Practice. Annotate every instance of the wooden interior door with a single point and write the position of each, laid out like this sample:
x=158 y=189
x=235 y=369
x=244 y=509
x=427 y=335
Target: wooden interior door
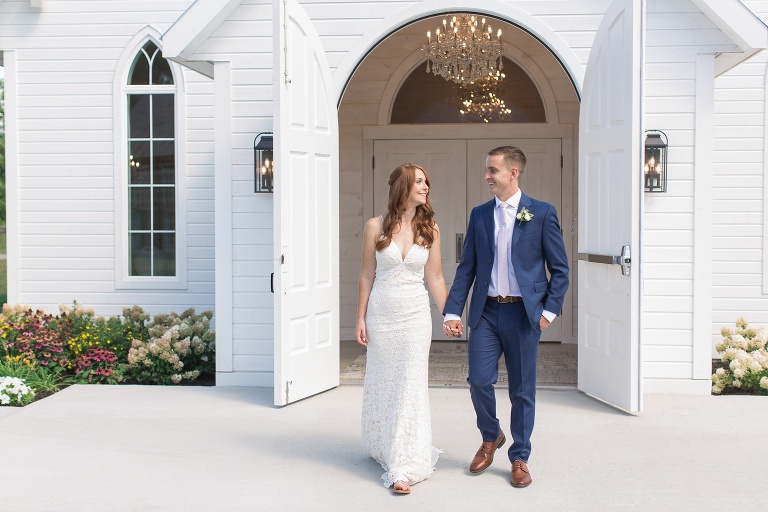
x=445 y=164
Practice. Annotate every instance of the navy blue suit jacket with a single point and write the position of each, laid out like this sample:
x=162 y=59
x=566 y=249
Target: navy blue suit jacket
x=537 y=246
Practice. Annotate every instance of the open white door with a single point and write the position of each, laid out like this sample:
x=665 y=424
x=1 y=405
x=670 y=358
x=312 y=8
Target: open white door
x=610 y=202
x=306 y=223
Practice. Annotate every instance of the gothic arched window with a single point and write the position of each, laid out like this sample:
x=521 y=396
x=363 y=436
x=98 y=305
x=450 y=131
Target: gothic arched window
x=151 y=152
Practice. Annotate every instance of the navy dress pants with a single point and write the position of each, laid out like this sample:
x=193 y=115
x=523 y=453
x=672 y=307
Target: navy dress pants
x=504 y=329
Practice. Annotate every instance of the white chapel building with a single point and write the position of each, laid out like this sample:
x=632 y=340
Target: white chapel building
x=132 y=167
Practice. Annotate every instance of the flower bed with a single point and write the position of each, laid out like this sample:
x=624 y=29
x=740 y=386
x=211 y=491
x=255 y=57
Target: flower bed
x=44 y=353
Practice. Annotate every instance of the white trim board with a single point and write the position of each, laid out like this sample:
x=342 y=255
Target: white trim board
x=122 y=279
x=11 y=176
x=765 y=189
x=702 y=215
x=223 y=219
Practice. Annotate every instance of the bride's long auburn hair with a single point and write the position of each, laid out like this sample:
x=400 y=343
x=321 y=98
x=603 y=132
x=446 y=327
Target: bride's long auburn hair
x=401 y=183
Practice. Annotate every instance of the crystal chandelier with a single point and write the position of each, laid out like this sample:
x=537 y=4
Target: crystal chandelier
x=481 y=101
x=463 y=51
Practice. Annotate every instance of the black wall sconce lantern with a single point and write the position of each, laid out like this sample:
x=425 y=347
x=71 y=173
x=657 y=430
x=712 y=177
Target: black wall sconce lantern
x=263 y=163
x=655 y=171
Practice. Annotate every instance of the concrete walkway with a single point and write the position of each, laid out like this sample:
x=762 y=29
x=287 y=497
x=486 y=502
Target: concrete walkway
x=151 y=448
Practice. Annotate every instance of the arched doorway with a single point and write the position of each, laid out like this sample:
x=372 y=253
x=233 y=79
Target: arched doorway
x=392 y=112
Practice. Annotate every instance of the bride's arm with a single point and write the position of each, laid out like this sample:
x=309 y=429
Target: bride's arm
x=367 y=274
x=433 y=270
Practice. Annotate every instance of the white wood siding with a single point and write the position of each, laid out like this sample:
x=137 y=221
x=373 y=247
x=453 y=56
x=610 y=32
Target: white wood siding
x=676 y=33
x=245 y=40
x=740 y=226
x=66 y=58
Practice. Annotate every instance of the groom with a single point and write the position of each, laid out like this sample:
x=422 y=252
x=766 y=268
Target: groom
x=511 y=242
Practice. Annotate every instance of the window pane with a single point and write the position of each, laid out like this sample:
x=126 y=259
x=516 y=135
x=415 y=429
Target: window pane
x=165 y=254
x=426 y=98
x=141 y=254
x=165 y=208
x=162 y=116
x=139 y=74
x=151 y=48
x=141 y=209
x=152 y=166
x=138 y=163
x=164 y=163
x=138 y=116
x=161 y=71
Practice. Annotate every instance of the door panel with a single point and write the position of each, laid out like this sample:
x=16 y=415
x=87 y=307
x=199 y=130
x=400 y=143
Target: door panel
x=306 y=220
x=541 y=180
x=610 y=207
x=444 y=162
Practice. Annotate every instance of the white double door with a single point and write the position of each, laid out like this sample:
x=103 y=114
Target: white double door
x=456 y=169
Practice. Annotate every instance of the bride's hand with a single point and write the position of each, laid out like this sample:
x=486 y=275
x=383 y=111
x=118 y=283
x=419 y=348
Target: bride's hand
x=362 y=333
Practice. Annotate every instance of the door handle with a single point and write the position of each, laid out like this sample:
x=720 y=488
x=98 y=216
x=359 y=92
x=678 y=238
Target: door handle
x=459 y=246
x=624 y=259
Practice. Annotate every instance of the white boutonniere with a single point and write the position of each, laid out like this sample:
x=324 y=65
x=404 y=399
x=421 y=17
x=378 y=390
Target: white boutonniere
x=524 y=215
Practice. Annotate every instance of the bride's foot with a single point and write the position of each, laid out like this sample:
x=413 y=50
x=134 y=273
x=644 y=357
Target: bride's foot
x=402 y=488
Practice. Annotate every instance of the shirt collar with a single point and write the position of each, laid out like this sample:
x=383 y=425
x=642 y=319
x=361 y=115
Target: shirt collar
x=513 y=201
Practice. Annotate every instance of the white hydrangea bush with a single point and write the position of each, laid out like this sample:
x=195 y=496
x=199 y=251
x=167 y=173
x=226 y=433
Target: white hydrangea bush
x=745 y=351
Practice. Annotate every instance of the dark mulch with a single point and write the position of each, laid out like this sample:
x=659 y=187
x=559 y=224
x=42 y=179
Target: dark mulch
x=730 y=390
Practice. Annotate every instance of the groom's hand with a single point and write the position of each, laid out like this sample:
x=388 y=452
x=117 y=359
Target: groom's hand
x=543 y=322
x=453 y=328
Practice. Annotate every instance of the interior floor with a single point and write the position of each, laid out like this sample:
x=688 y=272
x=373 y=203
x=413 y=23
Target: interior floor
x=556 y=366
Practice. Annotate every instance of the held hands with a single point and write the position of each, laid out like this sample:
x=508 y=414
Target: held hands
x=453 y=328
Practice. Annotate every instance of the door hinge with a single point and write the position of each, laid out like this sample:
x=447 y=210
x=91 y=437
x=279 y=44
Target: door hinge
x=561 y=161
x=287 y=386
x=285 y=41
x=373 y=162
x=282 y=259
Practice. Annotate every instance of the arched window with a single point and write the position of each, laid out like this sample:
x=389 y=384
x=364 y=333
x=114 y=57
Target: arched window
x=426 y=98
x=151 y=151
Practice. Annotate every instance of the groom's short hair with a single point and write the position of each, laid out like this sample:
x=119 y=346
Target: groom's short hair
x=513 y=156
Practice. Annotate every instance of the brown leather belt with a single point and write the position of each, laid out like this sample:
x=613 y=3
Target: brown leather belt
x=505 y=299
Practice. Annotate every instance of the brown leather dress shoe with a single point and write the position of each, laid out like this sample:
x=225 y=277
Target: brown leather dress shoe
x=520 y=475
x=484 y=455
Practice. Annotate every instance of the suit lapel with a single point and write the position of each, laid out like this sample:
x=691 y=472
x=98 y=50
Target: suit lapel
x=525 y=202
x=489 y=223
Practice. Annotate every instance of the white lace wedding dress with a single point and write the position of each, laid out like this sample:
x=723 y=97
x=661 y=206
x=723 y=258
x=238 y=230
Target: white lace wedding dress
x=396 y=422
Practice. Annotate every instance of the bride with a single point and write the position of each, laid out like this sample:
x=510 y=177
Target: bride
x=394 y=322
